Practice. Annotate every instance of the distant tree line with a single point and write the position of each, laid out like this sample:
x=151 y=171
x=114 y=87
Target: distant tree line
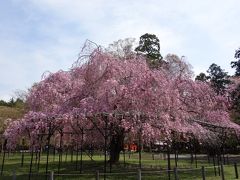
x=12 y=102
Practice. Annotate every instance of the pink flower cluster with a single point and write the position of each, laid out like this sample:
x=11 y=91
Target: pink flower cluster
x=134 y=97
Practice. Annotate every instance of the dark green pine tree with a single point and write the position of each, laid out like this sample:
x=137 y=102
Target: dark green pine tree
x=219 y=79
x=202 y=77
x=235 y=97
x=236 y=64
x=149 y=45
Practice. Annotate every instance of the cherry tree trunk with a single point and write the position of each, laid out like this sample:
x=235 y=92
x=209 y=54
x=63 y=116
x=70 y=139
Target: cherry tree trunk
x=116 y=145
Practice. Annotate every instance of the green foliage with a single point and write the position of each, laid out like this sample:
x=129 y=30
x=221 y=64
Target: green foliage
x=202 y=77
x=235 y=96
x=219 y=79
x=236 y=64
x=12 y=103
x=149 y=45
x=19 y=103
x=3 y=103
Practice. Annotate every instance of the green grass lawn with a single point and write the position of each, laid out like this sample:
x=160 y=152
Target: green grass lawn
x=70 y=170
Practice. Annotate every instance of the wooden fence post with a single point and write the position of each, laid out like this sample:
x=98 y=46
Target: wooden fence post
x=22 y=160
x=219 y=165
x=139 y=175
x=3 y=160
x=214 y=164
x=97 y=175
x=227 y=159
x=175 y=173
x=236 y=170
x=222 y=172
x=14 y=175
x=51 y=175
x=203 y=173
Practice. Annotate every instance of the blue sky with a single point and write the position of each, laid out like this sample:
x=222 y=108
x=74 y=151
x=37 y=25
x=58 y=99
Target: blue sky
x=47 y=35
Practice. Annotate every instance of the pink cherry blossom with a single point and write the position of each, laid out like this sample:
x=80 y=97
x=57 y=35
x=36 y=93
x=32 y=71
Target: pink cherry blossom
x=134 y=98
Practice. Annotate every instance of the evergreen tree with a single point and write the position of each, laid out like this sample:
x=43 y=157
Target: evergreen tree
x=219 y=79
x=202 y=77
x=236 y=64
x=235 y=96
x=149 y=45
